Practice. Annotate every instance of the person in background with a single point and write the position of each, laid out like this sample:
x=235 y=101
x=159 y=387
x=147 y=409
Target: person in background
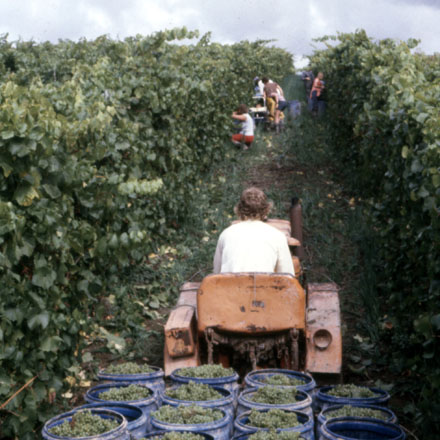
x=251 y=245
x=246 y=134
x=281 y=105
x=308 y=78
x=317 y=89
x=271 y=97
x=258 y=87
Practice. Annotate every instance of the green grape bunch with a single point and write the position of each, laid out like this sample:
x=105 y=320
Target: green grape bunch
x=274 y=435
x=283 y=379
x=126 y=394
x=274 y=418
x=355 y=411
x=207 y=371
x=128 y=368
x=84 y=424
x=186 y=415
x=274 y=395
x=177 y=436
x=351 y=391
x=194 y=391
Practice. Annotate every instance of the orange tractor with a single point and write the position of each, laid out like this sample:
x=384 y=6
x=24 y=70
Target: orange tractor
x=257 y=320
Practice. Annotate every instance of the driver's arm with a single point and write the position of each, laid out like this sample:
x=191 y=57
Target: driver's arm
x=284 y=262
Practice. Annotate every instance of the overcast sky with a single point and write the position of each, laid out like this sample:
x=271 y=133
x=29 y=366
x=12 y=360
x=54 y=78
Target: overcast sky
x=293 y=23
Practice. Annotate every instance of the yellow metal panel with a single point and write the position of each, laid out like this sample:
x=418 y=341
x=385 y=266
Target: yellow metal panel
x=251 y=303
x=180 y=329
x=324 y=341
x=179 y=337
x=171 y=363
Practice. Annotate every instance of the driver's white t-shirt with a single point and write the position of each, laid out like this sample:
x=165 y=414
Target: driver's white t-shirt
x=252 y=246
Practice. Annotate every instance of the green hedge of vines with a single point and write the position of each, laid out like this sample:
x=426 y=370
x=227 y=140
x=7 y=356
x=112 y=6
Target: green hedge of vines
x=385 y=123
x=101 y=145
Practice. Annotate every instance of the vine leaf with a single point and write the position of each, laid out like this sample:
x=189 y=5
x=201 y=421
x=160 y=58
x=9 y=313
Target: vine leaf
x=42 y=320
x=44 y=277
x=25 y=194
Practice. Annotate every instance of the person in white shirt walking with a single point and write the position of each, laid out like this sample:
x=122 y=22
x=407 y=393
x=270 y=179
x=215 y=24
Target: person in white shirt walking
x=251 y=245
x=246 y=134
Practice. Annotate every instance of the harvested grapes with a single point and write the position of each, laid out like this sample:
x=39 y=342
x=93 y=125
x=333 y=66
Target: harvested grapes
x=186 y=415
x=194 y=391
x=125 y=394
x=274 y=395
x=206 y=371
x=282 y=379
x=273 y=435
x=128 y=368
x=84 y=424
x=274 y=418
x=177 y=436
x=350 y=390
x=355 y=411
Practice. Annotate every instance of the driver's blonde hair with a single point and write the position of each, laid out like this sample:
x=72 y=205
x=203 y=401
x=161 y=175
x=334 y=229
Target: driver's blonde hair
x=253 y=205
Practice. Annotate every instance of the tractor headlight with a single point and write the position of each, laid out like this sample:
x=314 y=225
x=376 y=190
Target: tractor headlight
x=322 y=339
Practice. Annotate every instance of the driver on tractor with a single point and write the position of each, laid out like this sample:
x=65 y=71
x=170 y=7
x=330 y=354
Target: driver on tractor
x=251 y=245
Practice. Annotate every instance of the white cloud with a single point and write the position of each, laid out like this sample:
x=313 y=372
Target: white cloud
x=319 y=18
x=301 y=62
x=98 y=19
x=293 y=23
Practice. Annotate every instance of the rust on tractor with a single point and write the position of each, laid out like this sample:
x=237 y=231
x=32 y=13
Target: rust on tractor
x=254 y=329
x=180 y=335
x=258 y=304
x=296 y=227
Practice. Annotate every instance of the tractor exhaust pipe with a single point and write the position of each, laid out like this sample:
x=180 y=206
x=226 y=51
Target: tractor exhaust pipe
x=296 y=229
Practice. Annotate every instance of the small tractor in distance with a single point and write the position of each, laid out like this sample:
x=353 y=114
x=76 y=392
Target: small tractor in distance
x=258 y=320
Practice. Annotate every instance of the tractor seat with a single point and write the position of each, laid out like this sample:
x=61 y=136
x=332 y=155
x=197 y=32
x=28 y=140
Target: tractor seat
x=250 y=303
